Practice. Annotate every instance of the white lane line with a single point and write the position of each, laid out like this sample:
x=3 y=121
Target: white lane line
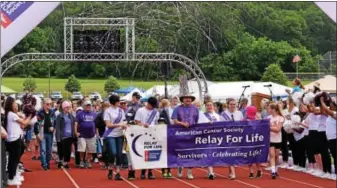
x=250 y=185
x=296 y=181
x=70 y=178
x=127 y=181
x=182 y=181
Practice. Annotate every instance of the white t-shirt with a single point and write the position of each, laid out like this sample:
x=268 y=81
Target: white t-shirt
x=287 y=113
x=203 y=118
x=143 y=114
x=14 y=130
x=237 y=115
x=313 y=122
x=322 y=123
x=276 y=137
x=331 y=128
x=111 y=114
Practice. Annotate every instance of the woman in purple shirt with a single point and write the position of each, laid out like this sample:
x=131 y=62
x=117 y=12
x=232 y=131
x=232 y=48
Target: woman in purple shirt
x=64 y=134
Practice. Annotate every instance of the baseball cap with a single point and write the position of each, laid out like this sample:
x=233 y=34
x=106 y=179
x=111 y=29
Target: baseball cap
x=122 y=101
x=86 y=103
x=137 y=95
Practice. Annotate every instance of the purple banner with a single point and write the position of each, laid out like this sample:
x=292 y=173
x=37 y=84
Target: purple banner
x=218 y=144
x=11 y=10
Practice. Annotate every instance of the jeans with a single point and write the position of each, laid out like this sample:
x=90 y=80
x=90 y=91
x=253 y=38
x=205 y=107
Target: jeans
x=45 y=149
x=99 y=148
x=114 y=147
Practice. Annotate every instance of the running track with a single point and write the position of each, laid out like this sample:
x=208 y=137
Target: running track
x=97 y=178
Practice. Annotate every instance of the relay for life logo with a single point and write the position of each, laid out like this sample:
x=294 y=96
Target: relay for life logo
x=12 y=10
x=150 y=147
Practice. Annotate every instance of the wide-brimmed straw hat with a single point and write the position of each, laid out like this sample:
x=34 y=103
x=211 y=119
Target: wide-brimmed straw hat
x=188 y=95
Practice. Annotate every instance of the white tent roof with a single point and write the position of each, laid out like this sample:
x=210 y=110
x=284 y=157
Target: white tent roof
x=328 y=84
x=158 y=89
x=225 y=90
x=128 y=97
x=193 y=88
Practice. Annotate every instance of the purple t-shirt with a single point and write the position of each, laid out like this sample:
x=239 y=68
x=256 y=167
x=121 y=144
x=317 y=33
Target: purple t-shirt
x=86 y=124
x=189 y=114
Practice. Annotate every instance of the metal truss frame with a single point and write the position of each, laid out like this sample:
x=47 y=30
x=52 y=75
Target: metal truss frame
x=128 y=56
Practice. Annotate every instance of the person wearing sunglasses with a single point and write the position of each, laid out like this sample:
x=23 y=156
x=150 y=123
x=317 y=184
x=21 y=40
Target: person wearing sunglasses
x=43 y=130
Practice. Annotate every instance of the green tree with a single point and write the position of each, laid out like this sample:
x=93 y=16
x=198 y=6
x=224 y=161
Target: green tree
x=29 y=84
x=72 y=84
x=111 y=84
x=275 y=74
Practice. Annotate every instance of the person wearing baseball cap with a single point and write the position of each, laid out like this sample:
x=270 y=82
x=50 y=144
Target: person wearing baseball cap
x=85 y=130
x=133 y=107
x=64 y=134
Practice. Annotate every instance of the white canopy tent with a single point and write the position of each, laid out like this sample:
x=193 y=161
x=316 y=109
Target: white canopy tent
x=157 y=90
x=328 y=84
x=128 y=97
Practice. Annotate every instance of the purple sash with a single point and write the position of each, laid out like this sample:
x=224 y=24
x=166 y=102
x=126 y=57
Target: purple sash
x=152 y=116
x=225 y=116
x=209 y=117
x=117 y=120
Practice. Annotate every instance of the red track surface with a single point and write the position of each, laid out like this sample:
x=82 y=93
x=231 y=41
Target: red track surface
x=96 y=178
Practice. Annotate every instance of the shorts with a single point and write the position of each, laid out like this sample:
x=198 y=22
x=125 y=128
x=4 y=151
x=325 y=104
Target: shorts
x=86 y=145
x=276 y=145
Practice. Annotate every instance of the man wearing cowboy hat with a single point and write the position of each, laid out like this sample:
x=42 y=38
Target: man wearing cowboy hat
x=185 y=115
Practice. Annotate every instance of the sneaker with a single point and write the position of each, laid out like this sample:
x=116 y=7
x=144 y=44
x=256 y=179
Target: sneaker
x=284 y=165
x=231 y=176
x=104 y=167
x=290 y=167
x=118 y=177
x=273 y=176
x=96 y=161
x=130 y=177
x=45 y=168
x=14 y=182
x=164 y=175
x=190 y=175
x=276 y=173
x=318 y=173
x=110 y=174
x=142 y=176
x=259 y=174
x=88 y=164
x=326 y=176
x=268 y=168
x=180 y=172
x=309 y=170
x=82 y=164
x=59 y=165
x=169 y=175
x=211 y=176
x=19 y=178
x=251 y=175
x=66 y=166
x=333 y=177
x=297 y=169
x=150 y=176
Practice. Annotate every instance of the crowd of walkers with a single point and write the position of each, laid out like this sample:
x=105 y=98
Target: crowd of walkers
x=93 y=131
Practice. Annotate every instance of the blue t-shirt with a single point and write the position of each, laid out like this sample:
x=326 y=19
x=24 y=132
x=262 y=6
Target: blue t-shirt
x=67 y=126
x=296 y=89
x=86 y=123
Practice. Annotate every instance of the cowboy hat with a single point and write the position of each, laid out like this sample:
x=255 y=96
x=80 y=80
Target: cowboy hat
x=181 y=98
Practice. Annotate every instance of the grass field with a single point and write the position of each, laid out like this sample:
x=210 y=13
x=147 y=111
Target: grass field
x=86 y=84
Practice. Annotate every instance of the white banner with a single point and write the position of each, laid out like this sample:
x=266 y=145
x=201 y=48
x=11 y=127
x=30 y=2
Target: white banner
x=19 y=18
x=329 y=8
x=147 y=146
